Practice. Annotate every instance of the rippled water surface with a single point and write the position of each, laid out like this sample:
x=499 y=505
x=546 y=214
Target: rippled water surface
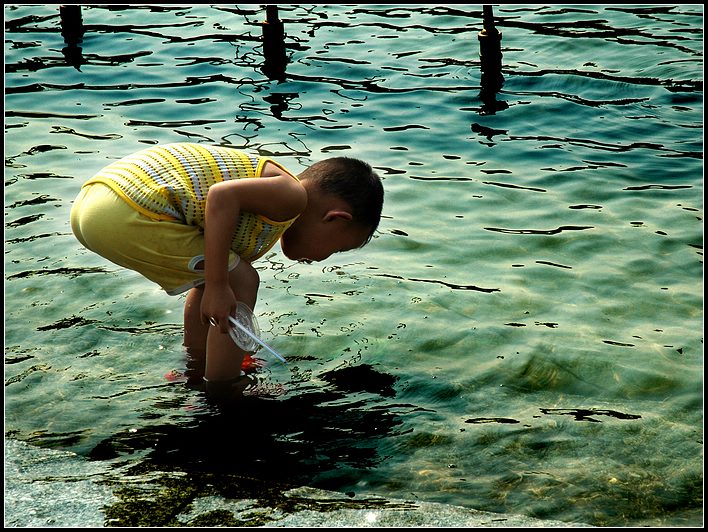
x=525 y=332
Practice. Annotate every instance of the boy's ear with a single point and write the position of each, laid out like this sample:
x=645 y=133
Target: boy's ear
x=332 y=215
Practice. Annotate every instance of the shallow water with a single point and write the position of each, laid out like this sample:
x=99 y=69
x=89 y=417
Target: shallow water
x=524 y=333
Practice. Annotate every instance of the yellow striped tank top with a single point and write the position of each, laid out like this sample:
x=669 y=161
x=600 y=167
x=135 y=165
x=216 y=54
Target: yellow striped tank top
x=170 y=183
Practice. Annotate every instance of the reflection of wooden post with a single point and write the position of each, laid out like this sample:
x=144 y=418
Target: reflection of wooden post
x=490 y=53
x=72 y=29
x=274 y=45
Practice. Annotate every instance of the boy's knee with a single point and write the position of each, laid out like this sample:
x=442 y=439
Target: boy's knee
x=244 y=282
x=252 y=276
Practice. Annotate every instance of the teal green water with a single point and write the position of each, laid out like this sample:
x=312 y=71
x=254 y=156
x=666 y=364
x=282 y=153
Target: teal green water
x=525 y=332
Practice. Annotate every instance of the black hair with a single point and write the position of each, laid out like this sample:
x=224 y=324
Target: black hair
x=354 y=181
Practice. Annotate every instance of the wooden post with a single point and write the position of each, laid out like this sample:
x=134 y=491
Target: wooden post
x=72 y=29
x=490 y=52
x=491 y=60
x=274 y=45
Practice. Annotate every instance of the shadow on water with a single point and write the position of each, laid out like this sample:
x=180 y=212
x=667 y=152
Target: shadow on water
x=315 y=437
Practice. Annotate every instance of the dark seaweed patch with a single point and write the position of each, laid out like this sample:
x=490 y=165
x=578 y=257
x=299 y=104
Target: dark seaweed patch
x=582 y=414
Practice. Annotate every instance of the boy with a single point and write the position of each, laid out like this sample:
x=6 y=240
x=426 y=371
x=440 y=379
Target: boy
x=193 y=217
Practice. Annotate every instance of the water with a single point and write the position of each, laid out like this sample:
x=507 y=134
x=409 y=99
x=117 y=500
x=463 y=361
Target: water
x=524 y=333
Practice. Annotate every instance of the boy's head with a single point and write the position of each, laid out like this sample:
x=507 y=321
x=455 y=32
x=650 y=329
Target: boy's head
x=345 y=200
x=356 y=183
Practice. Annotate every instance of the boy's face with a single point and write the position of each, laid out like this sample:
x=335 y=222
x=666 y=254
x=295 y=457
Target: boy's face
x=315 y=240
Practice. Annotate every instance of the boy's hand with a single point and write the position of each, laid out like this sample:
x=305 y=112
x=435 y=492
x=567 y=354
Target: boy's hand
x=276 y=195
x=218 y=303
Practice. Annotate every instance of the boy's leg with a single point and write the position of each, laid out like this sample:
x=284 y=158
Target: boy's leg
x=223 y=356
x=195 y=337
x=195 y=332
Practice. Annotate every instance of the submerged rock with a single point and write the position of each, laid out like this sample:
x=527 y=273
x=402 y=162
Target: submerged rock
x=45 y=487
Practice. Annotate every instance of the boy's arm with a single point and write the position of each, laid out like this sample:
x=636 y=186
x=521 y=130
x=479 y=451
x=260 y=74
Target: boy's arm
x=277 y=196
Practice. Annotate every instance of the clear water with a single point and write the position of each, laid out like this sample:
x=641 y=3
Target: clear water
x=523 y=335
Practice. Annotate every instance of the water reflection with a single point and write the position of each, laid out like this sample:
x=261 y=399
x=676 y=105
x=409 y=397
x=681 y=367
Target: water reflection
x=308 y=437
x=274 y=61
